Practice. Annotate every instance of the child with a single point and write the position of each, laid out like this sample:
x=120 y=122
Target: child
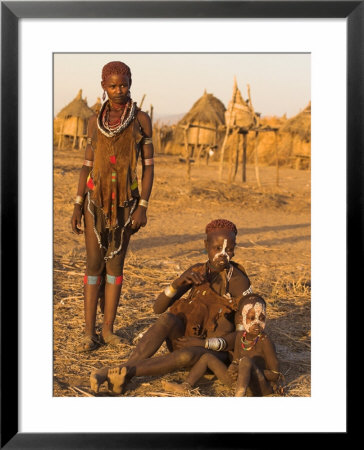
x=109 y=199
x=191 y=325
x=255 y=362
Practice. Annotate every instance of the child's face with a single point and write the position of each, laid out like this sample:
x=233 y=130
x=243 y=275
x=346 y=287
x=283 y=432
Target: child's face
x=220 y=249
x=253 y=318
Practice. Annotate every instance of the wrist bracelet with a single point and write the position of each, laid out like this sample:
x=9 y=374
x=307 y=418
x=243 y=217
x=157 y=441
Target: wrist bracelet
x=143 y=203
x=170 y=291
x=217 y=344
x=79 y=200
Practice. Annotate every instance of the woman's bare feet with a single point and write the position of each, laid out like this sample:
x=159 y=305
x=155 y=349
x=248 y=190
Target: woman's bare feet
x=116 y=378
x=98 y=378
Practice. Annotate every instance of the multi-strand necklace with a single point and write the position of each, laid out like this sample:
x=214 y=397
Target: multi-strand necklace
x=245 y=342
x=112 y=128
x=114 y=125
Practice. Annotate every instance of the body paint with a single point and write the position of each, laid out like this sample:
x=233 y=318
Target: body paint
x=223 y=252
x=258 y=309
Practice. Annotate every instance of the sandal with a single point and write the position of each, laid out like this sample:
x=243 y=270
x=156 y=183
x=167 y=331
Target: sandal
x=113 y=340
x=87 y=344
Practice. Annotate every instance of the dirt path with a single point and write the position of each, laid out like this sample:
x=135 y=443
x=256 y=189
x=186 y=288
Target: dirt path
x=273 y=244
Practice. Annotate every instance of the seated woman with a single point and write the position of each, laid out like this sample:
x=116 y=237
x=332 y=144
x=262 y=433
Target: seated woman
x=201 y=322
x=255 y=362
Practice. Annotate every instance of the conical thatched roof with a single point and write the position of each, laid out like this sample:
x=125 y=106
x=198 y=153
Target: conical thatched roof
x=208 y=110
x=300 y=124
x=238 y=111
x=77 y=108
x=97 y=106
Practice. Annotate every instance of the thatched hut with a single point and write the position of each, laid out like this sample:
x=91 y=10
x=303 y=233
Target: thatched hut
x=299 y=129
x=268 y=141
x=201 y=128
x=240 y=113
x=97 y=106
x=239 y=118
x=71 y=122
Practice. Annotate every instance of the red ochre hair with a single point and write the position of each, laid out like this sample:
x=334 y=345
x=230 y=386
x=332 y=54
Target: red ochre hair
x=115 y=68
x=221 y=224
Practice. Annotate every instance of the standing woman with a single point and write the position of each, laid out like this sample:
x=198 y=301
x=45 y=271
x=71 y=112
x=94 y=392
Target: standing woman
x=109 y=199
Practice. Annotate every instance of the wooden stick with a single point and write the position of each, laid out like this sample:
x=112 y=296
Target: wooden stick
x=202 y=146
x=141 y=103
x=256 y=158
x=196 y=153
x=81 y=391
x=188 y=162
x=277 y=159
x=159 y=140
x=223 y=152
x=60 y=141
x=163 y=394
x=245 y=139
x=231 y=158
x=227 y=131
x=237 y=154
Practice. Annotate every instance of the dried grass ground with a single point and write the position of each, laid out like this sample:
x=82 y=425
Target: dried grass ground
x=273 y=244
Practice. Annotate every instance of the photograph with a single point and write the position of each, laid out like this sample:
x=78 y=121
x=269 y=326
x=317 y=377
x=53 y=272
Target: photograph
x=182 y=224
x=181 y=220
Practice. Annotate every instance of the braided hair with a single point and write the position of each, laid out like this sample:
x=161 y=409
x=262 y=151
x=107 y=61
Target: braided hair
x=115 y=68
x=221 y=224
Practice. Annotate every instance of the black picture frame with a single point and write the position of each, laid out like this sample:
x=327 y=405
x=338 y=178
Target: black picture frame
x=11 y=12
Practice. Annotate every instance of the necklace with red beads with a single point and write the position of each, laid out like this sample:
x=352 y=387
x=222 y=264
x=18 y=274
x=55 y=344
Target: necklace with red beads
x=245 y=342
x=114 y=128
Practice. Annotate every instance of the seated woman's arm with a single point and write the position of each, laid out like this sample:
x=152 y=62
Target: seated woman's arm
x=214 y=344
x=230 y=340
x=175 y=290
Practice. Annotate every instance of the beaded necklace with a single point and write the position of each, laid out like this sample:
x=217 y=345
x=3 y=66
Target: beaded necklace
x=244 y=342
x=113 y=125
x=114 y=128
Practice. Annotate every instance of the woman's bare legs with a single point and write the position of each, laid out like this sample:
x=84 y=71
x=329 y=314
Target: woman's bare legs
x=160 y=365
x=94 y=268
x=168 y=326
x=114 y=268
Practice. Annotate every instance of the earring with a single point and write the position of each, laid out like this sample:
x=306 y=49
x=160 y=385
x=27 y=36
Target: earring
x=103 y=96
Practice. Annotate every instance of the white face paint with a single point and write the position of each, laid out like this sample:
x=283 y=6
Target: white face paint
x=222 y=253
x=259 y=308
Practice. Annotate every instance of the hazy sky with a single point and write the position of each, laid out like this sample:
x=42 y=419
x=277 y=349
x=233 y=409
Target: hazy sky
x=279 y=83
